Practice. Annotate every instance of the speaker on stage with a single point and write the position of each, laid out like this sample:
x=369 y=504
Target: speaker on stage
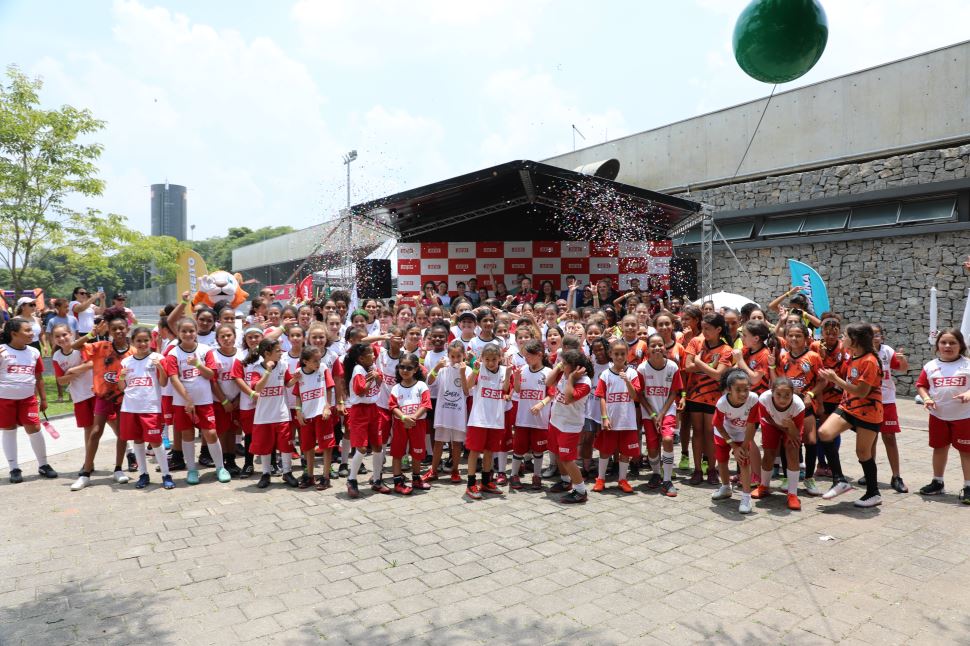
x=683 y=277
x=373 y=278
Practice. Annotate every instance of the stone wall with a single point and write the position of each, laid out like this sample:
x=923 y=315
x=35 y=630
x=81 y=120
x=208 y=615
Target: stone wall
x=885 y=280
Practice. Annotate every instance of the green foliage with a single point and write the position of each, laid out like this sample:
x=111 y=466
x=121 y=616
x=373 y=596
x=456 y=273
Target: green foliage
x=217 y=251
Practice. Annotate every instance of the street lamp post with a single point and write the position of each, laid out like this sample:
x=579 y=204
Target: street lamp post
x=349 y=157
x=192 y=227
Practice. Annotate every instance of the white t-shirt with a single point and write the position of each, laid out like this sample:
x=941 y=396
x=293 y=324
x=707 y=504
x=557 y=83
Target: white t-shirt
x=250 y=374
x=80 y=388
x=533 y=386
x=570 y=418
x=450 y=406
x=84 y=318
x=621 y=408
x=168 y=390
x=769 y=412
x=18 y=372
x=477 y=344
x=359 y=375
x=292 y=364
x=143 y=393
x=657 y=385
x=730 y=422
x=887 y=357
x=225 y=377
x=945 y=380
x=431 y=360
x=198 y=388
x=387 y=366
x=312 y=389
x=272 y=407
x=209 y=338
x=488 y=400
x=592 y=403
x=409 y=400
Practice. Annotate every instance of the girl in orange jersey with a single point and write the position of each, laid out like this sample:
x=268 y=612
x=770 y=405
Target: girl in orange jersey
x=753 y=358
x=691 y=320
x=860 y=410
x=708 y=357
x=834 y=357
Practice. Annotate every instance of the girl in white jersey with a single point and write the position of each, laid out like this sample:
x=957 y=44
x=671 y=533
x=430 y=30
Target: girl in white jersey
x=566 y=421
x=618 y=391
x=890 y=360
x=489 y=385
x=271 y=422
x=435 y=340
x=226 y=391
x=363 y=382
x=75 y=373
x=295 y=336
x=314 y=393
x=141 y=378
x=531 y=386
x=735 y=416
x=944 y=385
x=191 y=367
x=410 y=402
x=245 y=376
x=599 y=355
x=21 y=386
x=450 y=377
x=660 y=386
x=782 y=419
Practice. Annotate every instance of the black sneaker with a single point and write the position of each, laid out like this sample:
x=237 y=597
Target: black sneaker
x=655 y=480
x=573 y=497
x=176 y=461
x=205 y=458
x=560 y=486
x=16 y=476
x=343 y=470
x=232 y=467
x=240 y=449
x=305 y=481
x=143 y=481
x=934 y=488
x=47 y=471
x=276 y=471
x=362 y=471
x=290 y=480
x=898 y=485
x=263 y=481
x=353 y=491
x=634 y=470
x=247 y=470
x=427 y=461
x=132 y=461
x=965 y=496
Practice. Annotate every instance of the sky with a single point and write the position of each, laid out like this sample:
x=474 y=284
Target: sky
x=252 y=105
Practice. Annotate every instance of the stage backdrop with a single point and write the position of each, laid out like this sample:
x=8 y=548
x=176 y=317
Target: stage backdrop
x=618 y=262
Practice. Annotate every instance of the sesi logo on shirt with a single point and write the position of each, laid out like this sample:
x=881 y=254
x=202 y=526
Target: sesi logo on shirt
x=20 y=370
x=943 y=382
x=271 y=391
x=141 y=381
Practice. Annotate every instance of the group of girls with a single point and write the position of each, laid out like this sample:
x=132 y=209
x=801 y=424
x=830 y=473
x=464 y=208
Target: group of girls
x=538 y=383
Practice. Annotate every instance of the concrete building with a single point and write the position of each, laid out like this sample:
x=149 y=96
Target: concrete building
x=169 y=211
x=863 y=176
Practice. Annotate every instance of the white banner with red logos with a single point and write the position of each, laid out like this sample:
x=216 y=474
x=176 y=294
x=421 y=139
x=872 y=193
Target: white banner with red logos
x=283 y=292
x=618 y=262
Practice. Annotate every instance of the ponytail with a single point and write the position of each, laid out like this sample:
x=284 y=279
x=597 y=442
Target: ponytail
x=11 y=326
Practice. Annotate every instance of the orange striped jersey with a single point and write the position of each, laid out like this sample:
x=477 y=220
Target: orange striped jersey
x=832 y=359
x=758 y=362
x=677 y=354
x=865 y=369
x=700 y=387
x=802 y=370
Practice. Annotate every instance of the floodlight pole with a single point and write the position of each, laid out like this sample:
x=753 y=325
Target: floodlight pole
x=707 y=251
x=349 y=157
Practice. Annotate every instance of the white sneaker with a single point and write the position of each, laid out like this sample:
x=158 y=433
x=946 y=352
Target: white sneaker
x=723 y=493
x=837 y=489
x=745 y=506
x=811 y=487
x=548 y=472
x=80 y=483
x=871 y=501
x=120 y=477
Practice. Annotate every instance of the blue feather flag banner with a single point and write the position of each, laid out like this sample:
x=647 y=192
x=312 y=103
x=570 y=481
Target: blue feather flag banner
x=812 y=286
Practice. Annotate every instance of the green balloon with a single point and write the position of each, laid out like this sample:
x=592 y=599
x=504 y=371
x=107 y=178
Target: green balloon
x=776 y=41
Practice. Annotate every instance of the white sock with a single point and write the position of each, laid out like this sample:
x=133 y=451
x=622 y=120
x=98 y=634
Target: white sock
x=240 y=438
x=537 y=463
x=162 y=460
x=141 y=458
x=215 y=450
x=39 y=446
x=580 y=487
x=356 y=460
x=766 y=477
x=287 y=458
x=188 y=450
x=746 y=497
x=654 y=463
x=516 y=463
x=377 y=465
x=940 y=479
x=265 y=461
x=624 y=469
x=777 y=460
x=503 y=461
x=668 y=465
x=793 y=481
x=10 y=447
x=601 y=470
x=345 y=448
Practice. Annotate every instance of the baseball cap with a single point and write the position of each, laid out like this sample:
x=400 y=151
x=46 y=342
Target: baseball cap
x=467 y=315
x=25 y=299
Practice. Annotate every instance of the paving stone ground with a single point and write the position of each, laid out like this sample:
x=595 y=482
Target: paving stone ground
x=230 y=564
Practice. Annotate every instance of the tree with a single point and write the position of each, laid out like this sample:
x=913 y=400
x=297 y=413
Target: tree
x=43 y=162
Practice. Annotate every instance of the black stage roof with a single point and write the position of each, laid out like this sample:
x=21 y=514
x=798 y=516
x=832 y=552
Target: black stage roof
x=527 y=200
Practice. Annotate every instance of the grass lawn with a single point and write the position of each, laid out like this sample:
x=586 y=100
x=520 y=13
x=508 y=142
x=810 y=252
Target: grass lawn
x=53 y=406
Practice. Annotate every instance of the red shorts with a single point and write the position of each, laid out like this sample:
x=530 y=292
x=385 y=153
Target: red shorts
x=167 y=414
x=890 y=419
x=107 y=408
x=246 y=420
x=409 y=440
x=317 y=434
x=484 y=439
x=19 y=412
x=225 y=421
x=84 y=412
x=141 y=427
x=722 y=449
x=771 y=436
x=204 y=418
x=668 y=426
x=267 y=437
x=509 y=439
x=564 y=445
x=530 y=439
x=609 y=442
x=944 y=433
x=363 y=422
x=384 y=423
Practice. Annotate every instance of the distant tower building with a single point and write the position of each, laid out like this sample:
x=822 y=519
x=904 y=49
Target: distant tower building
x=169 y=211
